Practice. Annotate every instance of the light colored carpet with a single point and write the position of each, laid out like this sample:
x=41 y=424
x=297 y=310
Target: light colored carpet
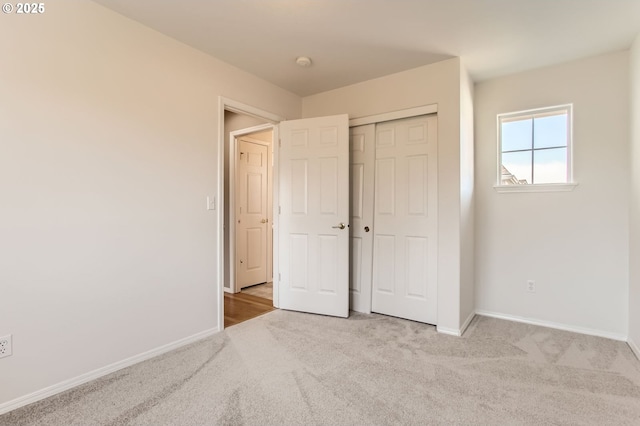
x=261 y=290
x=288 y=368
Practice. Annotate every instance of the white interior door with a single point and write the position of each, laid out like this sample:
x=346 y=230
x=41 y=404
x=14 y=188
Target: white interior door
x=314 y=213
x=252 y=215
x=361 y=159
x=405 y=216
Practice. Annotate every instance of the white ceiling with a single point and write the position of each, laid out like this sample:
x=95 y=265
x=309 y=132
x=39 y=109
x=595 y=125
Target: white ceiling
x=355 y=40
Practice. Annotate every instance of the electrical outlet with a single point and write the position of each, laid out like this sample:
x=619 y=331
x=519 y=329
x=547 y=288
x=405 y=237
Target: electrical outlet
x=5 y=346
x=531 y=286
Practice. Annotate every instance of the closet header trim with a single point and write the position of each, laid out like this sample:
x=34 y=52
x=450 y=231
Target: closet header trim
x=394 y=115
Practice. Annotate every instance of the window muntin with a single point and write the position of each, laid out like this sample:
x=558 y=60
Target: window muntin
x=534 y=147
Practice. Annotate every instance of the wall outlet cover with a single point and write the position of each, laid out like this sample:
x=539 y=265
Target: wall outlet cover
x=6 y=348
x=531 y=286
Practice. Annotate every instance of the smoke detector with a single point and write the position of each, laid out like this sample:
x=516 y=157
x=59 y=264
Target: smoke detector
x=303 y=61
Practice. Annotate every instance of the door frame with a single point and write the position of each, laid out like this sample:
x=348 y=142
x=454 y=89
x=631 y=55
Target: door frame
x=226 y=104
x=233 y=155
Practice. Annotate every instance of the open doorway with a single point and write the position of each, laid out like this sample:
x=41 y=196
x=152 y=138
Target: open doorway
x=251 y=212
x=248 y=217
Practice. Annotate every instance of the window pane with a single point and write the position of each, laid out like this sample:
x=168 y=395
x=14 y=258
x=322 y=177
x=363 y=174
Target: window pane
x=516 y=135
x=516 y=168
x=550 y=166
x=550 y=131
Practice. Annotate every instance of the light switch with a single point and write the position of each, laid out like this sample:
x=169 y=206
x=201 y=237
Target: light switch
x=211 y=203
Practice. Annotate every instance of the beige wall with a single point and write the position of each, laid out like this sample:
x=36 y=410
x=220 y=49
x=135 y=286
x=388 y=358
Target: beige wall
x=573 y=244
x=108 y=151
x=433 y=84
x=634 y=255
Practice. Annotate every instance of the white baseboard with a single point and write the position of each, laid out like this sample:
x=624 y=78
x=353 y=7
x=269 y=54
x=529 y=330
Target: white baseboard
x=551 y=324
x=449 y=331
x=454 y=331
x=465 y=325
x=634 y=347
x=95 y=374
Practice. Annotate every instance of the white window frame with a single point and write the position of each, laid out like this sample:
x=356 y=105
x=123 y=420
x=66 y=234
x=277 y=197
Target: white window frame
x=537 y=187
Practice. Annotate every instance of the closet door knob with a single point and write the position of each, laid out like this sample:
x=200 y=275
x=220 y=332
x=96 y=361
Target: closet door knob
x=366 y=229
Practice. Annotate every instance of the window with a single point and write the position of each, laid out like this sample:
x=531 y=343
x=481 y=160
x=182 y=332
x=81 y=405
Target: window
x=534 y=148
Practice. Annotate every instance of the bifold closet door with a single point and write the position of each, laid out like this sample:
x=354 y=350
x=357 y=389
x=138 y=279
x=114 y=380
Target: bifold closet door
x=404 y=280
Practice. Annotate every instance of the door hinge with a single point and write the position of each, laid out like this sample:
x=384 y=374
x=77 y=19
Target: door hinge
x=279 y=210
x=279 y=143
x=279 y=276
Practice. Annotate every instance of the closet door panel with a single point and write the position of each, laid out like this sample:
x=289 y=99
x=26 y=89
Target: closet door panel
x=361 y=159
x=405 y=217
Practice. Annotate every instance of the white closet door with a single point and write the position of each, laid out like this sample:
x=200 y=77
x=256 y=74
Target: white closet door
x=361 y=159
x=405 y=217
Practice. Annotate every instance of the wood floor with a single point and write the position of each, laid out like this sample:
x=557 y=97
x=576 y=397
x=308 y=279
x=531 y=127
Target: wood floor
x=240 y=307
x=261 y=290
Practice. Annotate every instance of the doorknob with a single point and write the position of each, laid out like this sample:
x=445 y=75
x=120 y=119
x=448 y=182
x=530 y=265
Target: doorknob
x=366 y=229
x=341 y=226
x=263 y=221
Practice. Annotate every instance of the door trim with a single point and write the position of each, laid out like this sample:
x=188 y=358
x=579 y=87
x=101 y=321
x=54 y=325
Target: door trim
x=394 y=115
x=233 y=155
x=226 y=104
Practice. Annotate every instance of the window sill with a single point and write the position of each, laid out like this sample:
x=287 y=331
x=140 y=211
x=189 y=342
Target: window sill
x=548 y=187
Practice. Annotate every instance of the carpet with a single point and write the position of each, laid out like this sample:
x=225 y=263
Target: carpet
x=289 y=368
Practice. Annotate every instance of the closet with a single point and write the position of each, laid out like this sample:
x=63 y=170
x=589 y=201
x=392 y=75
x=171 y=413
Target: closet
x=393 y=218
